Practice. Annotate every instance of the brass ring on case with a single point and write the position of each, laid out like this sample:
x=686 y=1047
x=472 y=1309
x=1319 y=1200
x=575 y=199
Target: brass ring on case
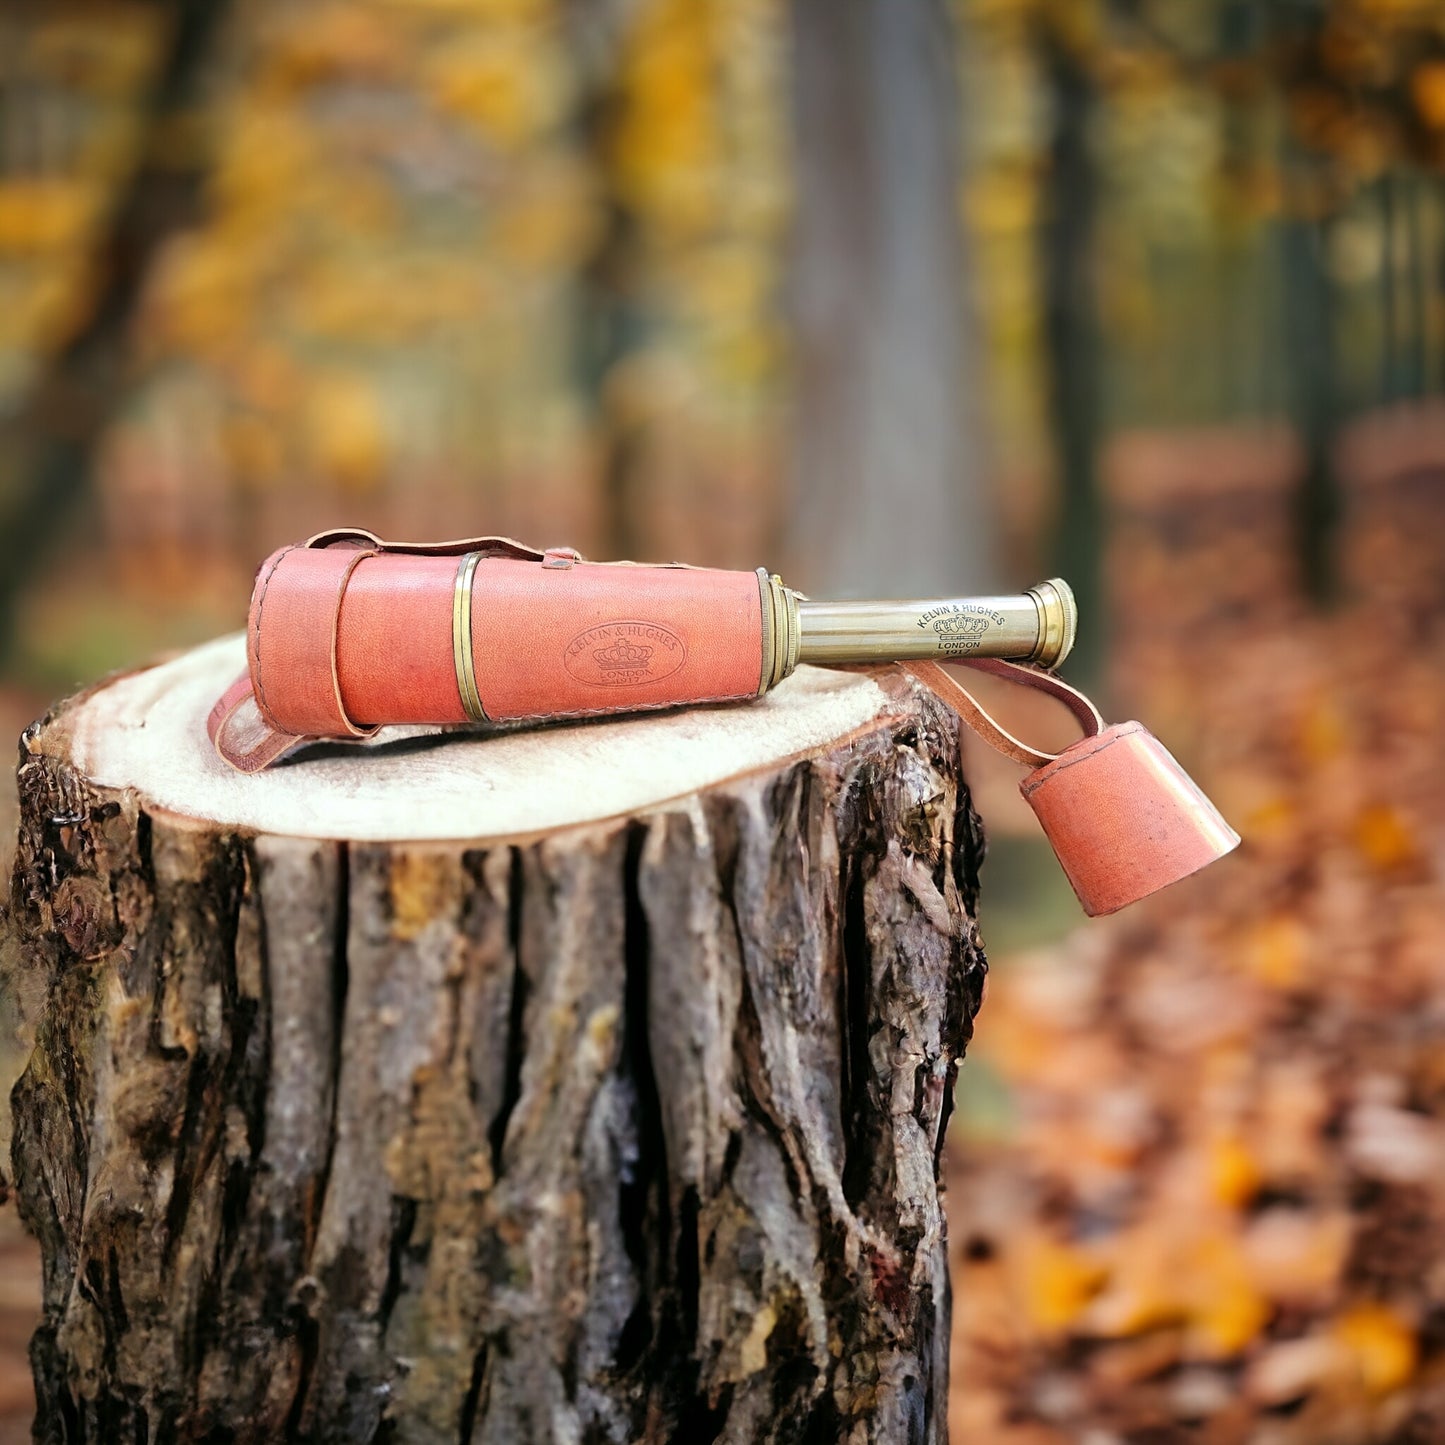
x=462 y=638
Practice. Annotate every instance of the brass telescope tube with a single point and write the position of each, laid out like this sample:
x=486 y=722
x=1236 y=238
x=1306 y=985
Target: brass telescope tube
x=1035 y=626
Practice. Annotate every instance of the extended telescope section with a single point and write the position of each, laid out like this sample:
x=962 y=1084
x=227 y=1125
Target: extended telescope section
x=1036 y=626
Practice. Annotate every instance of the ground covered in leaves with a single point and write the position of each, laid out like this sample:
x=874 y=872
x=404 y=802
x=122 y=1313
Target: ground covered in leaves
x=1199 y=1194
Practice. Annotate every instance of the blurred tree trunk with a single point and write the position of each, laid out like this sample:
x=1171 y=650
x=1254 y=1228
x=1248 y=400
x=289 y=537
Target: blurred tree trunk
x=608 y=322
x=1313 y=393
x=1072 y=351
x=890 y=481
x=47 y=444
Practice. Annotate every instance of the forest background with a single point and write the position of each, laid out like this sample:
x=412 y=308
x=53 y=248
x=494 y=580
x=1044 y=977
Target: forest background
x=897 y=296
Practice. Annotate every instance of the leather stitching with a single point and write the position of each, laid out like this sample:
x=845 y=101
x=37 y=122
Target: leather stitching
x=1063 y=762
x=260 y=608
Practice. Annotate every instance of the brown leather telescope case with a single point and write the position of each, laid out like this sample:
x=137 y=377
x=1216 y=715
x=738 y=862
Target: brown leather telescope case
x=347 y=633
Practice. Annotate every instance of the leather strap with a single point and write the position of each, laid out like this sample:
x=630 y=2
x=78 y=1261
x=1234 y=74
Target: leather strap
x=487 y=546
x=241 y=736
x=292 y=640
x=968 y=707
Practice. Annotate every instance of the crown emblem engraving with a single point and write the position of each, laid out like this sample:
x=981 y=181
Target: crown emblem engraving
x=622 y=656
x=628 y=652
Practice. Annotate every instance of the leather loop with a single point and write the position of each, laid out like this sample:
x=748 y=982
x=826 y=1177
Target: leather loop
x=292 y=637
x=241 y=735
x=963 y=702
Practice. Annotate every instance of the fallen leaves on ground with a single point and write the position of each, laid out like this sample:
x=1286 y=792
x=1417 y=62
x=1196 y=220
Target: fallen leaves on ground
x=1220 y=1216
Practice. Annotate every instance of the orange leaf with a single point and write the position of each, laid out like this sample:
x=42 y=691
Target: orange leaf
x=1058 y=1281
x=1381 y=1344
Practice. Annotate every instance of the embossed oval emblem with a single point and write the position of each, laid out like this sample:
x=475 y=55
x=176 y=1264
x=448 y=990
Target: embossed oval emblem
x=622 y=654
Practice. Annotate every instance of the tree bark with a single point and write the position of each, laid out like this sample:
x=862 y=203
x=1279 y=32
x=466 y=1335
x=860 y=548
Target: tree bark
x=623 y=1128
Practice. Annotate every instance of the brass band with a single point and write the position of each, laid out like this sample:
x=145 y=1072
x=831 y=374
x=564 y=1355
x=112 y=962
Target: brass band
x=770 y=630
x=781 y=637
x=462 y=638
x=1058 y=621
x=790 y=635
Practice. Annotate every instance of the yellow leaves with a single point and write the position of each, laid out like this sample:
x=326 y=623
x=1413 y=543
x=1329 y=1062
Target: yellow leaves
x=1234 y=1177
x=1003 y=202
x=747 y=356
x=267 y=160
x=1378 y=1344
x=354 y=199
x=1056 y=1280
x=723 y=290
x=1226 y=1309
x=490 y=11
x=1273 y=819
x=346 y=433
x=1277 y=950
x=323 y=44
x=201 y=292
x=512 y=87
x=1189 y=1262
x=106 y=60
x=46 y=311
x=1367 y=1350
x=554 y=219
x=666 y=142
x=38 y=215
x=1323 y=733
x=1180 y=1271
x=1384 y=838
x=366 y=301
x=1427 y=90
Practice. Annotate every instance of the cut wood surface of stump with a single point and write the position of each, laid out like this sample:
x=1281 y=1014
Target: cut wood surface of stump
x=577 y=1083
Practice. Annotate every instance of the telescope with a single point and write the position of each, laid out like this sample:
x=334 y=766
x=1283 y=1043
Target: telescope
x=347 y=634
x=1036 y=626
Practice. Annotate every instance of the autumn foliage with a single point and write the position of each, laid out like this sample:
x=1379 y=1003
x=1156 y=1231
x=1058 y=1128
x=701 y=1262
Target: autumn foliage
x=522 y=266
x=1201 y=1200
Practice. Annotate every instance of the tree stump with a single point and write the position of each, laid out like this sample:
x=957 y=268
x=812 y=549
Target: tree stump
x=576 y=1083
